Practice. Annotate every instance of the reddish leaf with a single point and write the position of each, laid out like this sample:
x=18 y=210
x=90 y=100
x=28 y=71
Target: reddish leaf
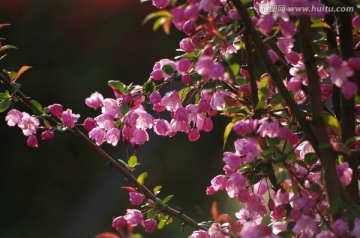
x=21 y=71
x=3 y=25
x=214 y=210
x=107 y=235
x=130 y=189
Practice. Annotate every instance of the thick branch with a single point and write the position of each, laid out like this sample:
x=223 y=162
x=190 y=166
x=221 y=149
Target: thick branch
x=103 y=155
x=348 y=106
x=327 y=155
x=260 y=46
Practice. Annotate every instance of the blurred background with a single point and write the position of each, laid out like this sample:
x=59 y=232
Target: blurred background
x=63 y=189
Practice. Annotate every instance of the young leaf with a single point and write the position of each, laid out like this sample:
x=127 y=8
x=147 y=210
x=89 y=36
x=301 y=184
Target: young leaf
x=6 y=47
x=4 y=105
x=156 y=190
x=332 y=123
x=21 y=71
x=117 y=85
x=161 y=224
x=161 y=13
x=227 y=132
x=142 y=178
x=168 y=69
x=149 y=87
x=168 y=198
x=37 y=105
x=132 y=161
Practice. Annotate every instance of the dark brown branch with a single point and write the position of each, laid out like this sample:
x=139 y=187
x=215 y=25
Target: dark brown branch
x=103 y=155
x=348 y=106
x=327 y=155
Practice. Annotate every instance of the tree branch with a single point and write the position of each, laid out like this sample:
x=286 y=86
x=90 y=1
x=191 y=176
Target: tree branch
x=103 y=155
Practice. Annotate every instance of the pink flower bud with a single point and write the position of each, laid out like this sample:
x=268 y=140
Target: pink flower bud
x=150 y=225
x=287 y=28
x=183 y=65
x=187 y=45
x=95 y=100
x=69 y=119
x=97 y=134
x=282 y=196
x=160 y=3
x=56 y=110
x=89 y=124
x=119 y=222
x=133 y=217
x=192 y=13
x=339 y=227
x=273 y=56
x=47 y=135
x=193 y=135
x=266 y=23
x=13 y=117
x=136 y=198
x=292 y=57
x=185 y=78
x=189 y=27
x=32 y=141
x=271 y=205
x=155 y=97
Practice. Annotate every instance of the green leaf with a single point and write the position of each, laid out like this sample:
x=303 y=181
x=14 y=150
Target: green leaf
x=12 y=75
x=241 y=80
x=153 y=15
x=314 y=187
x=6 y=47
x=187 y=55
x=149 y=87
x=167 y=199
x=157 y=189
x=183 y=92
x=37 y=106
x=132 y=161
x=320 y=24
x=263 y=91
x=311 y=158
x=124 y=108
x=227 y=131
x=332 y=123
x=161 y=224
x=282 y=176
x=115 y=84
x=142 y=178
x=4 y=95
x=167 y=69
x=151 y=214
x=158 y=22
x=235 y=68
x=4 y=105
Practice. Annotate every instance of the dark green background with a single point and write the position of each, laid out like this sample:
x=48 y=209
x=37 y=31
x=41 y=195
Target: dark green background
x=63 y=189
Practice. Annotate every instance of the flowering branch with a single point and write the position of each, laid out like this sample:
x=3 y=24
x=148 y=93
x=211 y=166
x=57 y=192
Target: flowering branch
x=105 y=156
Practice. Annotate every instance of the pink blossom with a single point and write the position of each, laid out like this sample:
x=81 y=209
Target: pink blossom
x=305 y=225
x=356 y=21
x=235 y=182
x=47 y=135
x=133 y=217
x=95 y=100
x=204 y=123
x=127 y=133
x=139 y=118
x=69 y=119
x=287 y=28
x=28 y=124
x=181 y=114
x=216 y=231
x=119 y=222
x=140 y=137
x=105 y=121
x=160 y=3
x=282 y=196
x=292 y=57
x=155 y=97
x=183 y=65
x=273 y=56
x=217 y=183
x=326 y=91
x=32 y=141
x=136 y=198
x=349 y=90
x=284 y=133
x=13 y=117
x=245 y=73
x=261 y=187
x=193 y=134
x=217 y=101
x=356 y=230
x=244 y=127
x=192 y=13
x=251 y=217
x=256 y=204
x=266 y=23
x=278 y=212
x=317 y=14
x=204 y=105
x=251 y=230
x=150 y=225
x=243 y=195
x=179 y=17
x=179 y=126
x=269 y=128
x=113 y=136
x=187 y=45
x=97 y=134
x=339 y=227
x=232 y=160
x=171 y=101
x=199 y=234
x=56 y=109
x=111 y=107
x=304 y=148
x=189 y=27
x=89 y=124
x=354 y=62
x=185 y=78
x=248 y=148
x=325 y=234
x=162 y=127
x=210 y=5
x=339 y=70
x=279 y=226
x=209 y=69
x=345 y=173
x=285 y=44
